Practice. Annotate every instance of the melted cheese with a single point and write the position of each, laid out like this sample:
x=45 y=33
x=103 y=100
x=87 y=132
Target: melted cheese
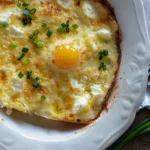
x=104 y=34
x=64 y=3
x=81 y=103
x=5 y=17
x=66 y=65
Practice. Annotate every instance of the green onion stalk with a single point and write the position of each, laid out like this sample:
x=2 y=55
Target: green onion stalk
x=141 y=129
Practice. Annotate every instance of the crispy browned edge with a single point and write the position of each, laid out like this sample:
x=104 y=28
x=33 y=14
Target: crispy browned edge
x=112 y=15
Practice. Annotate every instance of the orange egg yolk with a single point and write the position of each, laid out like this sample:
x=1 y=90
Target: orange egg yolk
x=66 y=57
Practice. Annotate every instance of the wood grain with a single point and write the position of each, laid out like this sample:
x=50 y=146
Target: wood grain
x=141 y=142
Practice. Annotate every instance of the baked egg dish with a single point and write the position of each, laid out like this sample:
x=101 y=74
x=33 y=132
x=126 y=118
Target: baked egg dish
x=58 y=58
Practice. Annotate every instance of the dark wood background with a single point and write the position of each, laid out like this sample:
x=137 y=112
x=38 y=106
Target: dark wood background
x=141 y=142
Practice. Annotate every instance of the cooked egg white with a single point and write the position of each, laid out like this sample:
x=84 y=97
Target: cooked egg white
x=66 y=82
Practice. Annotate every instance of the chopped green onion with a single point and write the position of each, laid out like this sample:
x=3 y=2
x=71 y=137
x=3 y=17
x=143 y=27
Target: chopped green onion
x=32 y=11
x=26 y=61
x=49 y=33
x=25 y=50
x=67 y=23
x=4 y=24
x=35 y=33
x=21 y=57
x=26 y=12
x=35 y=84
x=105 y=52
x=102 y=66
x=37 y=79
x=20 y=75
x=39 y=44
x=13 y=44
x=67 y=26
x=29 y=77
x=18 y=4
x=100 y=57
x=29 y=74
x=100 y=53
x=67 y=30
x=35 y=41
x=27 y=20
x=61 y=29
x=75 y=26
x=25 y=4
x=27 y=17
x=64 y=25
x=44 y=24
x=30 y=36
x=43 y=98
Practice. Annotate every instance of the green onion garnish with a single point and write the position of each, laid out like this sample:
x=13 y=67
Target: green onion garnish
x=61 y=29
x=13 y=44
x=37 y=79
x=49 y=33
x=75 y=26
x=100 y=57
x=29 y=77
x=35 y=84
x=18 y=4
x=143 y=127
x=29 y=74
x=26 y=12
x=26 y=61
x=20 y=75
x=67 y=30
x=102 y=66
x=35 y=33
x=38 y=43
x=25 y=4
x=21 y=57
x=67 y=26
x=44 y=24
x=25 y=50
x=32 y=11
x=43 y=98
x=4 y=24
x=30 y=36
x=64 y=25
x=105 y=52
x=100 y=53
x=27 y=20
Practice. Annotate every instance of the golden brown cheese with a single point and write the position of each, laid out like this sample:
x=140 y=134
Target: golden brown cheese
x=69 y=82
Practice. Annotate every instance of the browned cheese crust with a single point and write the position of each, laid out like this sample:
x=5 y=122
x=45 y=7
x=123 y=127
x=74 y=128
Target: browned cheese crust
x=64 y=106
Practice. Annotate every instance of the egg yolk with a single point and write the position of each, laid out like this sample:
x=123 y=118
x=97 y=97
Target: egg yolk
x=66 y=57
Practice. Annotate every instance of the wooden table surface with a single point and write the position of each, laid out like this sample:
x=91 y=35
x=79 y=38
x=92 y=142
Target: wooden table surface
x=141 y=142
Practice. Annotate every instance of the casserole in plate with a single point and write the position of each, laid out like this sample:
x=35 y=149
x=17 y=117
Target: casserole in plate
x=23 y=132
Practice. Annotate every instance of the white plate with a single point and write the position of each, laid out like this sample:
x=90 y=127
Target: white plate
x=25 y=132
